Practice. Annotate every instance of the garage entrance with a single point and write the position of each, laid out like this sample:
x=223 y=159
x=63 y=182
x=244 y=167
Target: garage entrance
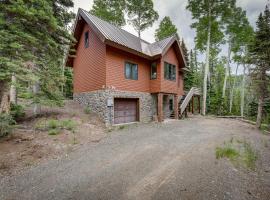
x=125 y=110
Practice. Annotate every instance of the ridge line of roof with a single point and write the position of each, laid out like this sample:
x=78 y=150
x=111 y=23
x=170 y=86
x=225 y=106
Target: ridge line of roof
x=85 y=11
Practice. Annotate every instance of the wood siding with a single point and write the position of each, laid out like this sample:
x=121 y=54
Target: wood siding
x=89 y=64
x=115 y=71
x=168 y=86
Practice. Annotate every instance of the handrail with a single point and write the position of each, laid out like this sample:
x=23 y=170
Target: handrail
x=193 y=91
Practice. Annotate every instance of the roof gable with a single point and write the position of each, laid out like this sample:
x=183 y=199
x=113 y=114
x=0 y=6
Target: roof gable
x=124 y=40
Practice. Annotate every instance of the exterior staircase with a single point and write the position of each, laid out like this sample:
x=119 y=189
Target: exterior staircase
x=187 y=98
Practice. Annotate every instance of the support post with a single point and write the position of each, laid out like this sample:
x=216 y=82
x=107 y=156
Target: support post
x=199 y=104
x=192 y=103
x=176 y=106
x=160 y=107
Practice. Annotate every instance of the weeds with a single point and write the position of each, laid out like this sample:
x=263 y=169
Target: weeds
x=87 y=110
x=239 y=152
x=54 y=126
x=6 y=124
x=228 y=152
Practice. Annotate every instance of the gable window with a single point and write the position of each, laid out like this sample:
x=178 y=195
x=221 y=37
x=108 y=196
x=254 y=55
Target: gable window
x=86 y=39
x=131 y=71
x=169 y=71
x=153 y=71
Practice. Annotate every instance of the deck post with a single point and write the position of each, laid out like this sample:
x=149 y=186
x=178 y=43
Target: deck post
x=199 y=104
x=176 y=106
x=160 y=107
x=192 y=103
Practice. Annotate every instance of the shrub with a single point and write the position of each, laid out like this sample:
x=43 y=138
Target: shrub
x=55 y=131
x=87 y=110
x=6 y=124
x=53 y=124
x=17 y=111
x=69 y=124
x=249 y=156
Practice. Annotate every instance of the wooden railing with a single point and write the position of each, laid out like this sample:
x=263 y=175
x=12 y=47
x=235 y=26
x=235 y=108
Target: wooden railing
x=193 y=91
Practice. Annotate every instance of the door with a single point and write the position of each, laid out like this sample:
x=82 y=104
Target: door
x=125 y=110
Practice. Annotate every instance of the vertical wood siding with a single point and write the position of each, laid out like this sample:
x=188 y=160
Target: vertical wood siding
x=89 y=64
x=115 y=71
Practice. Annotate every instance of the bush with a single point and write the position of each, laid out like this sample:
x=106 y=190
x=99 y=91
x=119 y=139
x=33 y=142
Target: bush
x=55 y=131
x=6 y=124
x=53 y=124
x=17 y=111
x=87 y=110
x=69 y=124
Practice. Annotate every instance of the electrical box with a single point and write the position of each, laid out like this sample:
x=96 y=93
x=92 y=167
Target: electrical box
x=110 y=102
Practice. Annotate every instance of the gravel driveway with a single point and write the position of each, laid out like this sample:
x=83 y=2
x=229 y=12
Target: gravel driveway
x=173 y=160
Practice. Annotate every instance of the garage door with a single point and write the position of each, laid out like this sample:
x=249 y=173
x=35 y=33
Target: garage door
x=125 y=110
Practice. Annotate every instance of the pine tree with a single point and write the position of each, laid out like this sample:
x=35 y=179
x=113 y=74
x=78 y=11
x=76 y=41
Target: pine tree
x=141 y=14
x=34 y=38
x=110 y=10
x=260 y=55
x=166 y=29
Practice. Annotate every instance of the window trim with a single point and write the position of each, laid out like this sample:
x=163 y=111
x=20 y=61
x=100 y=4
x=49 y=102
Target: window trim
x=86 y=41
x=151 y=71
x=133 y=64
x=171 y=66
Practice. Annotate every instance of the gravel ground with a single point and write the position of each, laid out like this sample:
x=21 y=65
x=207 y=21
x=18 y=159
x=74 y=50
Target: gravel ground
x=173 y=160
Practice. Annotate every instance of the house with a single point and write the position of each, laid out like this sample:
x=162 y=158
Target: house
x=122 y=77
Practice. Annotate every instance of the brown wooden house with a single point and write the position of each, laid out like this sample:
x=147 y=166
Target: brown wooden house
x=122 y=77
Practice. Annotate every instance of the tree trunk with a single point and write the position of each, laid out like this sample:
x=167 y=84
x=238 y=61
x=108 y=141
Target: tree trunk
x=227 y=70
x=4 y=98
x=260 y=109
x=232 y=90
x=13 y=91
x=37 y=108
x=206 y=70
x=243 y=91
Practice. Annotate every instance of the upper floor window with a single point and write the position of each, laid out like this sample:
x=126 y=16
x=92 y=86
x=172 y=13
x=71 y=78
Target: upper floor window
x=169 y=71
x=153 y=71
x=86 y=39
x=131 y=71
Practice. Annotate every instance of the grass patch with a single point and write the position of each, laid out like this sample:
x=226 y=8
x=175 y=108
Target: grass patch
x=54 y=126
x=226 y=152
x=249 y=156
x=54 y=131
x=239 y=152
x=121 y=127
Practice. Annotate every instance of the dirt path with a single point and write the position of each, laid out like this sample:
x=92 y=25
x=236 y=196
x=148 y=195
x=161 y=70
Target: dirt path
x=174 y=160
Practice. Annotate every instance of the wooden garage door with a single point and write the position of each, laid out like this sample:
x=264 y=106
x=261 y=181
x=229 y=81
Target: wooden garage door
x=125 y=110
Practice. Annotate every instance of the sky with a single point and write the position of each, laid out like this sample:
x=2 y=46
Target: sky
x=181 y=17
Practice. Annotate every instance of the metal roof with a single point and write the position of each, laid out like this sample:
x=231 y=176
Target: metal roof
x=122 y=37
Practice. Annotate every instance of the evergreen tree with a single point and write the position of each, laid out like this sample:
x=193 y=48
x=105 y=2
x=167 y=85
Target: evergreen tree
x=166 y=29
x=110 y=10
x=34 y=38
x=260 y=55
x=141 y=14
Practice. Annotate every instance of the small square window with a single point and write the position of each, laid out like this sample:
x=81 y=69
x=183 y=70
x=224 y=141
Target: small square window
x=131 y=71
x=86 y=39
x=153 y=71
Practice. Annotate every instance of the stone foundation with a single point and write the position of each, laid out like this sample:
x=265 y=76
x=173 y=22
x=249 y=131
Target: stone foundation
x=97 y=101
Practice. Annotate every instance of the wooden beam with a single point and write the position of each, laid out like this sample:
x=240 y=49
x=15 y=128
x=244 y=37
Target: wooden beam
x=176 y=106
x=160 y=107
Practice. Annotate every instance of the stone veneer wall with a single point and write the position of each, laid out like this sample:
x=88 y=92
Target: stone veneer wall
x=97 y=101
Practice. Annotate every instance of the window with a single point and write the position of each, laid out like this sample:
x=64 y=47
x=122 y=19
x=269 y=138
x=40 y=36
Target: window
x=131 y=71
x=169 y=72
x=153 y=71
x=86 y=39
